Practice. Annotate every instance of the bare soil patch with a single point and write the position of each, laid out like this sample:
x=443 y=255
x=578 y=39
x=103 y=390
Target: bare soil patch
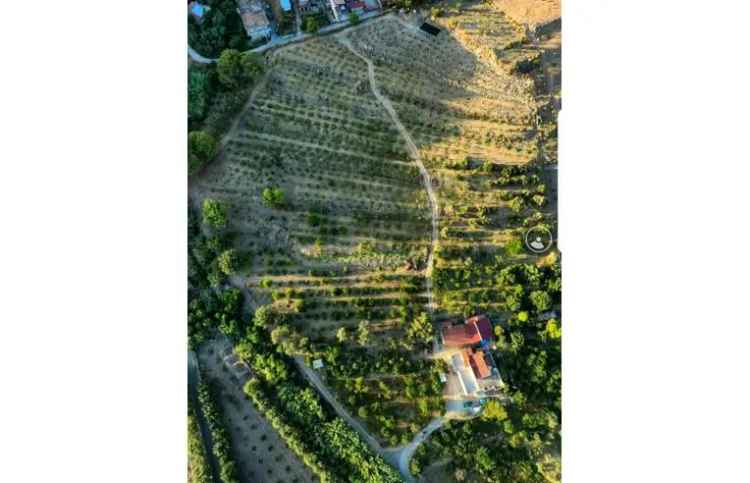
x=531 y=12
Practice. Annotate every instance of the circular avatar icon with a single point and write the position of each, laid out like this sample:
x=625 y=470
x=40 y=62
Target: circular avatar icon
x=538 y=239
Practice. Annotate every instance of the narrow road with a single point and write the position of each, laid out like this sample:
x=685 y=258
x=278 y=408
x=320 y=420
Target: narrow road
x=414 y=153
x=405 y=453
x=297 y=37
x=314 y=379
x=198 y=57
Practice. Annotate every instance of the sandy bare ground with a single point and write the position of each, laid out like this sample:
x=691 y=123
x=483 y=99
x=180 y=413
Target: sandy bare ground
x=530 y=12
x=260 y=453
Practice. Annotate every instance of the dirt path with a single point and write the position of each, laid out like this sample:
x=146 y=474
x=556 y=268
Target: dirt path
x=414 y=153
x=314 y=379
x=403 y=454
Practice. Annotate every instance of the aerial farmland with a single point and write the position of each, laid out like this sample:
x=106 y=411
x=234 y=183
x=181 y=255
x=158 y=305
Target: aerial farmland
x=374 y=192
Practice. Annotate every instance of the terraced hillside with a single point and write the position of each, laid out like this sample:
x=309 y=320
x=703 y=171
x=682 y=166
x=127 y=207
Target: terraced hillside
x=476 y=125
x=480 y=100
x=332 y=220
x=342 y=257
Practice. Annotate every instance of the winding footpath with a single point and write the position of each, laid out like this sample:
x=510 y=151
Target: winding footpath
x=414 y=153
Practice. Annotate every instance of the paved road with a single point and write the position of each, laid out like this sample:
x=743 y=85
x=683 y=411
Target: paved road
x=405 y=453
x=414 y=153
x=278 y=41
x=198 y=57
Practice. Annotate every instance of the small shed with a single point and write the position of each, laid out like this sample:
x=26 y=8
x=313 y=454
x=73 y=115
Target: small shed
x=318 y=364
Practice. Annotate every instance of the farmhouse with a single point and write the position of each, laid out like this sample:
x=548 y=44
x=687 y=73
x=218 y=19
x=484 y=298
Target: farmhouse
x=473 y=363
x=475 y=330
x=254 y=19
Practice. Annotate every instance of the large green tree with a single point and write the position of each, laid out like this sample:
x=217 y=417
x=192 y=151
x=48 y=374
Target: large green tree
x=214 y=213
x=273 y=197
x=201 y=150
x=199 y=92
x=236 y=69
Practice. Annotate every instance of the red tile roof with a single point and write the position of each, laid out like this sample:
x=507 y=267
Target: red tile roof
x=460 y=335
x=472 y=332
x=478 y=363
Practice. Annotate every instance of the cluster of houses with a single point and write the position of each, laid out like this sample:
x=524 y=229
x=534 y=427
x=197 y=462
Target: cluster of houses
x=468 y=346
x=255 y=14
x=340 y=9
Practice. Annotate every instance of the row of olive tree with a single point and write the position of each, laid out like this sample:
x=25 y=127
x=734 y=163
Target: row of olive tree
x=217 y=425
x=198 y=467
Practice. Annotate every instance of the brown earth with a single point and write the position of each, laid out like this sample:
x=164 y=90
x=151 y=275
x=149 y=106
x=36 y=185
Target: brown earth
x=531 y=12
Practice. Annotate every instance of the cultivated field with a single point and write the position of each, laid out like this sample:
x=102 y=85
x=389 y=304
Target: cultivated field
x=480 y=133
x=350 y=243
x=343 y=255
x=259 y=451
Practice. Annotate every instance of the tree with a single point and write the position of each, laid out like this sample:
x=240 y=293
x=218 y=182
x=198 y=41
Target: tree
x=311 y=25
x=541 y=300
x=270 y=367
x=552 y=330
x=273 y=197
x=420 y=330
x=199 y=92
x=227 y=261
x=236 y=69
x=353 y=18
x=313 y=219
x=342 y=335
x=201 y=150
x=265 y=316
x=513 y=247
x=494 y=411
x=214 y=213
x=363 y=332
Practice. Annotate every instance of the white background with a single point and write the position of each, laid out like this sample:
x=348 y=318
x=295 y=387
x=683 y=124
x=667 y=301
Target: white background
x=654 y=232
